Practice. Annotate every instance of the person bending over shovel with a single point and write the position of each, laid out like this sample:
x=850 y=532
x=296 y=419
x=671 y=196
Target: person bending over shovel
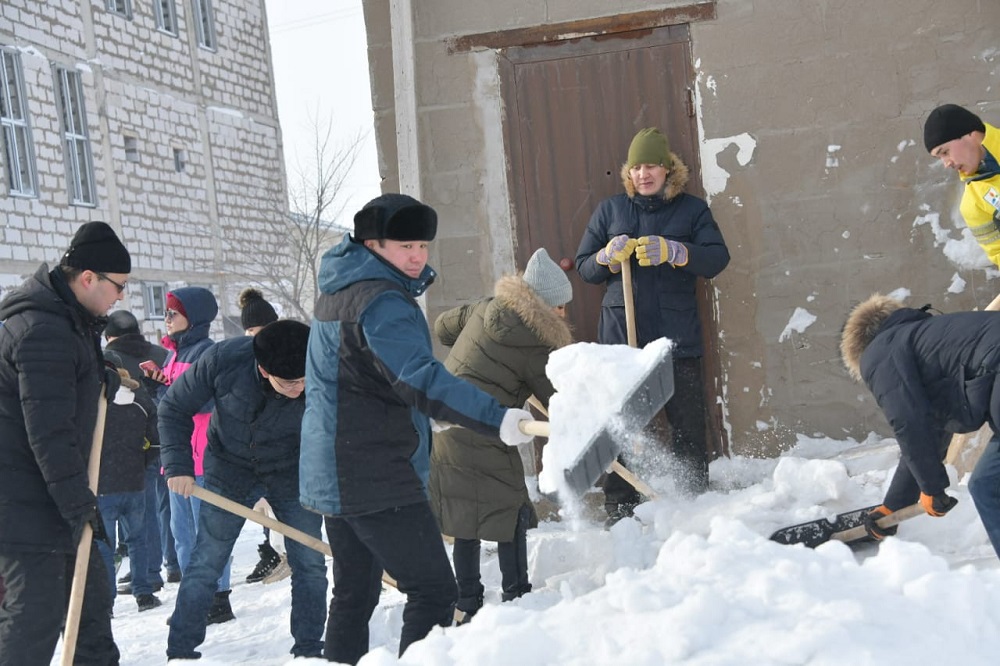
x=932 y=376
x=253 y=451
x=371 y=383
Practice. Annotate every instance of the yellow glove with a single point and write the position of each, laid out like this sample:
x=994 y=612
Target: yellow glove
x=654 y=250
x=617 y=250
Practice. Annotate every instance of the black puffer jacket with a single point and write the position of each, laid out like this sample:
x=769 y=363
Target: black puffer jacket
x=932 y=376
x=50 y=381
x=124 y=452
x=252 y=427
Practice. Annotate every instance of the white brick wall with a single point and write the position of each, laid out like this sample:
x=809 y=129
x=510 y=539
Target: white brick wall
x=188 y=227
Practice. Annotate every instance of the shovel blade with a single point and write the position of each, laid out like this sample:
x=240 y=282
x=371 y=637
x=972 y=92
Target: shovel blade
x=643 y=402
x=816 y=532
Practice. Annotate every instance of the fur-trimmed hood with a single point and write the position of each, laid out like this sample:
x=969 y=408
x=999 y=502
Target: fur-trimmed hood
x=513 y=294
x=677 y=178
x=862 y=325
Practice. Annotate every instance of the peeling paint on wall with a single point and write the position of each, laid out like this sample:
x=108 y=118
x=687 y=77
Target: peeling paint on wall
x=714 y=178
x=800 y=320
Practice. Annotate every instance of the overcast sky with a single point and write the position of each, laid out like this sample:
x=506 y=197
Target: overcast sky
x=321 y=72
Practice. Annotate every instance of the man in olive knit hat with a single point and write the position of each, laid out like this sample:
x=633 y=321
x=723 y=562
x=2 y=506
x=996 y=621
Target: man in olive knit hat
x=963 y=142
x=671 y=240
x=51 y=376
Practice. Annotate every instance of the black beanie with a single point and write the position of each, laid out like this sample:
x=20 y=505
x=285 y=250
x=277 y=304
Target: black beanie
x=121 y=322
x=949 y=122
x=395 y=217
x=280 y=348
x=96 y=247
x=254 y=310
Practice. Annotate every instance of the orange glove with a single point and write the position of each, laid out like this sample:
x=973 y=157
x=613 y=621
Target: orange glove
x=872 y=527
x=937 y=505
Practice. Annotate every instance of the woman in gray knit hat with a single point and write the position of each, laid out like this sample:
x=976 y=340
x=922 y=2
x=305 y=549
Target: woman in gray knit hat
x=501 y=344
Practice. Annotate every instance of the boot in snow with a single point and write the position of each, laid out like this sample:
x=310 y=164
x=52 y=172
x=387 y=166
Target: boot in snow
x=220 y=611
x=269 y=559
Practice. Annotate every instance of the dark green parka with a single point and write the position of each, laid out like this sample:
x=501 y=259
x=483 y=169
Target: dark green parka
x=501 y=345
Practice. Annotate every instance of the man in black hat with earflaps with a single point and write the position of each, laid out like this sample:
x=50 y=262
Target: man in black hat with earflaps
x=256 y=383
x=52 y=373
x=963 y=142
x=675 y=240
x=371 y=383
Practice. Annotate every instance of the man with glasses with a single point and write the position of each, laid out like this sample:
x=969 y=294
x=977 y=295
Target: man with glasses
x=51 y=376
x=257 y=385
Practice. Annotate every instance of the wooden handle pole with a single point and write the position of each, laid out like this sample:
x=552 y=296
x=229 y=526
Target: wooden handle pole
x=629 y=302
x=894 y=518
x=75 y=609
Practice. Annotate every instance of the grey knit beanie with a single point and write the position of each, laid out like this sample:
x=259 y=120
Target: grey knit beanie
x=547 y=279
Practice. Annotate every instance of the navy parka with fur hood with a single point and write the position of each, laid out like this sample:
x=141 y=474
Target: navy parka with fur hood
x=932 y=376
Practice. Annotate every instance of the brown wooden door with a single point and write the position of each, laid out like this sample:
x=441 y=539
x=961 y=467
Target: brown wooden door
x=571 y=109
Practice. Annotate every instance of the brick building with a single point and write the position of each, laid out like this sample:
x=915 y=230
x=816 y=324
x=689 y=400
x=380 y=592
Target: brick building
x=156 y=116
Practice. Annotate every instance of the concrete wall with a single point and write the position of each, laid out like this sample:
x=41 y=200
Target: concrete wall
x=202 y=225
x=810 y=121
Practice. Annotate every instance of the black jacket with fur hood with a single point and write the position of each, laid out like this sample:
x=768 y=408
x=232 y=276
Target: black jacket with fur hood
x=932 y=376
x=501 y=345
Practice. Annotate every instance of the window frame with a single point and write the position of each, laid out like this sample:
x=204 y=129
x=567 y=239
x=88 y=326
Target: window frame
x=204 y=20
x=149 y=299
x=76 y=137
x=19 y=156
x=166 y=21
x=122 y=8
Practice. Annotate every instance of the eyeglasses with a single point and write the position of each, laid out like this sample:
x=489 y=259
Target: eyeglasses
x=170 y=314
x=119 y=285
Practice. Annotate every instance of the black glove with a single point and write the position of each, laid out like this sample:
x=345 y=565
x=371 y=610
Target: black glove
x=937 y=505
x=872 y=528
x=112 y=381
x=92 y=516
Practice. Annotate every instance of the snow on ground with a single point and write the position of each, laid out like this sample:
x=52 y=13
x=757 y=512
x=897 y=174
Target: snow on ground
x=690 y=581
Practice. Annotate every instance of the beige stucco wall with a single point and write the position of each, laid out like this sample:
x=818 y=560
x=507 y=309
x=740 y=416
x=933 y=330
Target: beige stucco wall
x=810 y=120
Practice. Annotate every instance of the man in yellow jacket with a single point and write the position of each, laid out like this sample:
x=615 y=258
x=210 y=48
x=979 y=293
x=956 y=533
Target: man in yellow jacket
x=963 y=142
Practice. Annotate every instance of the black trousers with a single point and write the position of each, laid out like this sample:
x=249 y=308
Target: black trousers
x=513 y=556
x=33 y=611
x=678 y=433
x=406 y=542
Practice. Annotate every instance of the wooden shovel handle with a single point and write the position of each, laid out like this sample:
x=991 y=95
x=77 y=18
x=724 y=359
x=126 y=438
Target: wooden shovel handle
x=263 y=519
x=75 y=609
x=894 y=518
x=629 y=302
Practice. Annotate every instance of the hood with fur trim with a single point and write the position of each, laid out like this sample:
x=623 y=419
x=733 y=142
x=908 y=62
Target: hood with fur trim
x=862 y=325
x=514 y=294
x=677 y=178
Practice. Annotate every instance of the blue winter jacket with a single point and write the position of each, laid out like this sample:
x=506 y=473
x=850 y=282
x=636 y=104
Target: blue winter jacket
x=664 y=296
x=371 y=383
x=253 y=428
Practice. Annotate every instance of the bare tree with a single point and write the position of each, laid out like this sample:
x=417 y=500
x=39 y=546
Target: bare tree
x=305 y=228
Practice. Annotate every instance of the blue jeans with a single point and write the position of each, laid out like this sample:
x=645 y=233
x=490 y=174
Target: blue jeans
x=162 y=506
x=217 y=532
x=984 y=486
x=407 y=541
x=184 y=526
x=129 y=509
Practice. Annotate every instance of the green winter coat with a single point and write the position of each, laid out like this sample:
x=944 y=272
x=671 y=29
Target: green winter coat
x=501 y=345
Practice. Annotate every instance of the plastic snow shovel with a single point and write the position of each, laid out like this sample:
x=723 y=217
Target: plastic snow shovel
x=847 y=527
x=643 y=401
x=616 y=466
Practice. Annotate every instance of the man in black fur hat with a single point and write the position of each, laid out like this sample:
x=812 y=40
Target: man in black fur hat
x=257 y=384
x=51 y=376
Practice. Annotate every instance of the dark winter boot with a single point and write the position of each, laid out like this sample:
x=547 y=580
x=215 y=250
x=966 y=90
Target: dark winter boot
x=220 y=611
x=468 y=606
x=269 y=559
x=147 y=602
x=515 y=592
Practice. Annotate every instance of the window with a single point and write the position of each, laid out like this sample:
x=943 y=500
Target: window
x=166 y=15
x=131 y=149
x=204 y=23
x=180 y=160
x=155 y=296
x=79 y=163
x=19 y=157
x=120 y=7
